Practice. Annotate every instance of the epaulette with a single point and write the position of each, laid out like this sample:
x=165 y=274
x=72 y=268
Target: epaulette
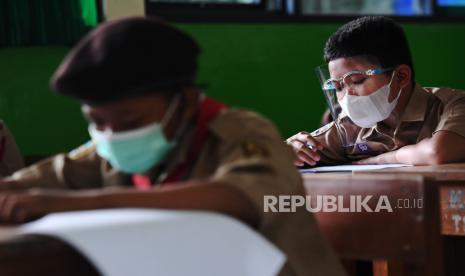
x=82 y=151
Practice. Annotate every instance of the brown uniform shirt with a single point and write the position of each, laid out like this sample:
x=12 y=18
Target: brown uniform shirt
x=429 y=110
x=244 y=151
x=11 y=159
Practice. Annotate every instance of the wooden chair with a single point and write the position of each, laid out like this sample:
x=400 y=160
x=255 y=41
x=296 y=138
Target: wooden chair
x=42 y=255
x=406 y=241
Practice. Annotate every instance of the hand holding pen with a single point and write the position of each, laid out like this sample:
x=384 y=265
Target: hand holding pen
x=306 y=148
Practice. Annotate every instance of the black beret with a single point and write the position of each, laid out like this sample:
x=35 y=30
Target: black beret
x=126 y=58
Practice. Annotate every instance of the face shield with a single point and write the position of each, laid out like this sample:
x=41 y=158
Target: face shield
x=349 y=87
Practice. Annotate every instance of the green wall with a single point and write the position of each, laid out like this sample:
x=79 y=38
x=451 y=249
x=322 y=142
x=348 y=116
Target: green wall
x=266 y=67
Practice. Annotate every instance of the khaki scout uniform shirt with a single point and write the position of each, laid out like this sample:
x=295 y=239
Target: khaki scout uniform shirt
x=11 y=159
x=244 y=151
x=429 y=110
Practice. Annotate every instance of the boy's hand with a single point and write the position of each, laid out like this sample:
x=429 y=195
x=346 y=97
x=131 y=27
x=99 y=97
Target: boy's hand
x=305 y=147
x=8 y=185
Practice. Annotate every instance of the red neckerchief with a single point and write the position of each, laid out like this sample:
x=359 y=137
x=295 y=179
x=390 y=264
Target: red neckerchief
x=208 y=110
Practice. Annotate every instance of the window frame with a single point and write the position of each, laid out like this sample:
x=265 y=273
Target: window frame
x=249 y=13
x=193 y=12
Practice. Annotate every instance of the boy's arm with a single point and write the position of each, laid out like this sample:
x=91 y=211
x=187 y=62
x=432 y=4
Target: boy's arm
x=194 y=195
x=444 y=147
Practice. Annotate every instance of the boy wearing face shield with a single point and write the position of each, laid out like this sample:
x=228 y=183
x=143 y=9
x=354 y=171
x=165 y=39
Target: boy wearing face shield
x=165 y=145
x=380 y=114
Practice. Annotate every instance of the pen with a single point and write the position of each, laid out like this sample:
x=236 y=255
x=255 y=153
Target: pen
x=310 y=146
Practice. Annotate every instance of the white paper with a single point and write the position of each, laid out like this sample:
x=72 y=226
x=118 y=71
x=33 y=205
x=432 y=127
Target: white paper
x=137 y=242
x=351 y=168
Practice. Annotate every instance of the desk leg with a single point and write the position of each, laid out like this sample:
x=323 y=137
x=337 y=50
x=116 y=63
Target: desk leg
x=380 y=268
x=384 y=268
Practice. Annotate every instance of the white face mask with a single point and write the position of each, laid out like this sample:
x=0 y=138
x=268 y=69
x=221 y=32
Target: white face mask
x=366 y=111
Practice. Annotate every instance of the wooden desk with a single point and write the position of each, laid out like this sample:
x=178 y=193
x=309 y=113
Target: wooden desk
x=451 y=181
x=402 y=238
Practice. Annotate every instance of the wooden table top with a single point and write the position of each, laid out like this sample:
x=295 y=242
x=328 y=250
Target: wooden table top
x=446 y=172
x=449 y=177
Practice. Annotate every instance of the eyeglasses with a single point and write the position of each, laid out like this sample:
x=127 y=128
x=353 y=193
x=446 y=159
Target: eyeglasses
x=352 y=79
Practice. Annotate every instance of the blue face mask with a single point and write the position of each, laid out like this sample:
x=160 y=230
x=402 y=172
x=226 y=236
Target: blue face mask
x=134 y=151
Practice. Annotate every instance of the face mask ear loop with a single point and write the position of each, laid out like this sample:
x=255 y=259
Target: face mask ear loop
x=392 y=77
x=390 y=82
x=184 y=125
x=170 y=111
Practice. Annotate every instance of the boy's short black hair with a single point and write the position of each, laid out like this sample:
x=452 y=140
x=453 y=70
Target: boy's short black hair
x=378 y=38
x=128 y=58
